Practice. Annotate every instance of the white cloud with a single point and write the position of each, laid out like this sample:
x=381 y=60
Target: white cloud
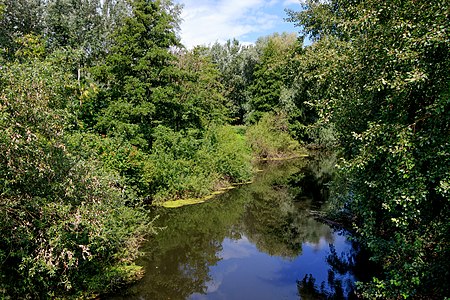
x=207 y=21
x=290 y=2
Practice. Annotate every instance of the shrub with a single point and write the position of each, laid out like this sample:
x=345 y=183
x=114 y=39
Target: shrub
x=231 y=155
x=192 y=163
x=117 y=155
x=269 y=138
x=64 y=226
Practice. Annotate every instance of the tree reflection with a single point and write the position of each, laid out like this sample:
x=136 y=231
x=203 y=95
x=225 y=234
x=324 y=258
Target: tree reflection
x=335 y=288
x=344 y=268
x=179 y=257
x=278 y=227
x=314 y=178
x=278 y=219
x=273 y=213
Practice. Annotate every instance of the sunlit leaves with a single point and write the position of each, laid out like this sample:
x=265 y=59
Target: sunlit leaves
x=63 y=222
x=388 y=99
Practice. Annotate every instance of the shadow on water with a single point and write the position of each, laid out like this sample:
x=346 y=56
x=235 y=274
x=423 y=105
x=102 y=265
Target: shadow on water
x=255 y=242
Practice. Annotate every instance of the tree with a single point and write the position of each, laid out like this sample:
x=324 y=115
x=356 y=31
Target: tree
x=236 y=64
x=388 y=98
x=138 y=72
x=18 y=18
x=270 y=74
x=200 y=93
x=64 y=226
x=82 y=28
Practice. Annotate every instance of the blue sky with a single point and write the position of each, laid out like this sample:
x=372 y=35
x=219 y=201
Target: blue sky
x=207 y=21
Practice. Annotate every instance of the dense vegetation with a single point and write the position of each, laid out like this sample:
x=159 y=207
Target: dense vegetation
x=379 y=73
x=103 y=112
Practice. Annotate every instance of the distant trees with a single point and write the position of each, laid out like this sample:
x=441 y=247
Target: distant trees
x=18 y=18
x=264 y=78
x=235 y=64
x=271 y=74
x=77 y=25
x=202 y=98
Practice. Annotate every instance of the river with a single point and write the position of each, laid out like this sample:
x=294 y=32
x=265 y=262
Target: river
x=258 y=241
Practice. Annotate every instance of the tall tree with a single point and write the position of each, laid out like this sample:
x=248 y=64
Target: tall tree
x=389 y=100
x=236 y=64
x=270 y=74
x=83 y=24
x=18 y=18
x=138 y=71
x=200 y=93
x=81 y=30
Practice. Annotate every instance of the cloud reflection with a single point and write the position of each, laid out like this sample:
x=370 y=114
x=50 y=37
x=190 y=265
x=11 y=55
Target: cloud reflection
x=236 y=248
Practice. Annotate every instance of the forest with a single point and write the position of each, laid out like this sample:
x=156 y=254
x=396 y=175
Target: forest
x=104 y=113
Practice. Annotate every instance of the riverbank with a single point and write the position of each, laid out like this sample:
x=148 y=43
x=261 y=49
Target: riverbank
x=237 y=246
x=197 y=200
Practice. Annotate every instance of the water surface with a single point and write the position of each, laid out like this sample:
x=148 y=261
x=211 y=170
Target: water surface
x=258 y=241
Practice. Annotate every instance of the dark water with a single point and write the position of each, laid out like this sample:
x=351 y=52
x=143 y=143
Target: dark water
x=255 y=242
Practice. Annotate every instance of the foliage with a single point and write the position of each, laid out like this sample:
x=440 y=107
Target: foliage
x=18 y=18
x=64 y=228
x=137 y=74
x=79 y=26
x=118 y=155
x=201 y=96
x=236 y=64
x=180 y=165
x=387 y=95
x=270 y=138
x=230 y=153
x=314 y=70
x=270 y=75
x=195 y=163
x=82 y=24
x=265 y=78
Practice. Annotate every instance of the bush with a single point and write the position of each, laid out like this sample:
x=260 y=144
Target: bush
x=117 y=155
x=193 y=163
x=231 y=155
x=322 y=135
x=181 y=164
x=64 y=226
x=269 y=138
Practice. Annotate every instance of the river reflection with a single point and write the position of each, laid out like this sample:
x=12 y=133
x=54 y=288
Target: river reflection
x=255 y=242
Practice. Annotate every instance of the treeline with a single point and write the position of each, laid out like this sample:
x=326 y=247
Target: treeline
x=102 y=113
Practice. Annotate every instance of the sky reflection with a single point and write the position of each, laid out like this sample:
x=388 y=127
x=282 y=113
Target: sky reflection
x=247 y=273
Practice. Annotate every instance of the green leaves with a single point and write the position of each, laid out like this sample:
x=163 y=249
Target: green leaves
x=271 y=75
x=384 y=84
x=270 y=139
x=139 y=75
x=194 y=163
x=63 y=221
